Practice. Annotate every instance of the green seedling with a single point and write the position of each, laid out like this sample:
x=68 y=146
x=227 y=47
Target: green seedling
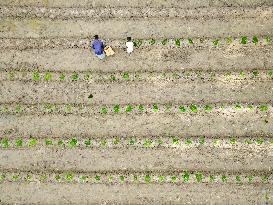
x=2 y=177
x=147 y=178
x=232 y=141
x=177 y=42
x=238 y=107
x=188 y=142
x=75 y=76
x=270 y=73
x=126 y=76
x=87 y=142
x=132 y=142
x=36 y=76
x=238 y=179
x=190 y=41
x=117 y=108
x=60 y=143
x=161 y=178
x=198 y=177
x=19 y=143
x=250 y=179
x=104 y=110
x=224 y=178
x=259 y=141
x=175 y=141
x=69 y=177
x=15 y=177
x=140 y=108
x=163 y=75
x=174 y=178
x=263 y=108
x=211 y=178
x=113 y=78
x=251 y=107
x=255 y=40
x=255 y=73
x=202 y=141
x=110 y=178
x=135 y=178
x=48 y=76
x=168 y=107
x=244 y=40
x=43 y=178
x=138 y=43
x=267 y=39
x=48 y=142
x=69 y=108
x=147 y=143
x=152 y=41
x=62 y=77
x=164 y=42
x=28 y=178
x=5 y=109
x=242 y=74
x=175 y=75
x=138 y=76
x=103 y=142
x=73 y=142
x=186 y=176
x=215 y=42
x=32 y=142
x=116 y=141
x=229 y=40
x=122 y=178
x=216 y=141
x=5 y=143
x=193 y=108
x=10 y=76
x=97 y=178
x=160 y=142
x=155 y=108
x=182 y=109
x=87 y=76
x=58 y=178
x=248 y=141
x=265 y=179
x=129 y=108
x=208 y=108
x=83 y=178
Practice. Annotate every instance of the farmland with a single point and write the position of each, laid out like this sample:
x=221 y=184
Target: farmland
x=187 y=118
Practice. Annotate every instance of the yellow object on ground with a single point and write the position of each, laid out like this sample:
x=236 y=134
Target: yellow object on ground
x=109 y=51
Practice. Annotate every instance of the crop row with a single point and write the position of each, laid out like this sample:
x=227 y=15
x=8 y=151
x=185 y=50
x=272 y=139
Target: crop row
x=138 y=76
x=129 y=108
x=184 y=177
x=168 y=142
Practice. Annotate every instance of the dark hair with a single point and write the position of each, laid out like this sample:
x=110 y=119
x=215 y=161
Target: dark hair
x=129 y=38
x=96 y=37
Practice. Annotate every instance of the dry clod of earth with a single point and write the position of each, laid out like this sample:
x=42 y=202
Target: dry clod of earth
x=187 y=118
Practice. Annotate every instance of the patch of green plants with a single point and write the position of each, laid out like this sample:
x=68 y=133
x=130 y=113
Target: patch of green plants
x=208 y=108
x=211 y=178
x=132 y=141
x=175 y=141
x=193 y=108
x=10 y=76
x=238 y=179
x=250 y=178
x=152 y=41
x=259 y=141
x=224 y=178
x=148 y=143
x=75 y=76
x=62 y=77
x=113 y=78
x=255 y=40
x=5 y=143
x=174 y=178
x=244 y=40
x=32 y=142
x=216 y=141
x=15 y=178
x=186 y=176
x=215 y=42
x=19 y=143
x=48 y=76
x=83 y=178
x=97 y=177
x=233 y=141
x=270 y=73
x=87 y=142
x=104 y=110
x=263 y=108
x=164 y=42
x=58 y=178
x=161 y=178
x=182 y=109
x=255 y=73
x=229 y=40
x=129 y=108
x=198 y=177
x=18 y=108
x=138 y=43
x=73 y=142
x=60 y=143
x=126 y=76
x=69 y=177
x=190 y=41
x=140 y=108
x=36 y=76
x=43 y=178
x=238 y=107
x=155 y=108
x=147 y=178
x=242 y=74
x=188 y=142
x=103 y=142
x=202 y=141
x=177 y=42
x=117 y=108
x=48 y=142
x=267 y=39
x=122 y=178
x=116 y=141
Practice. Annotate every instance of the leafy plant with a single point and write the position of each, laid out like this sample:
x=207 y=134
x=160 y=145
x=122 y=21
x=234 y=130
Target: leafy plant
x=69 y=108
x=238 y=107
x=152 y=41
x=229 y=40
x=250 y=178
x=15 y=177
x=255 y=73
x=147 y=178
x=215 y=42
x=48 y=76
x=224 y=178
x=270 y=73
x=62 y=77
x=248 y=141
x=87 y=76
x=175 y=75
x=2 y=177
x=175 y=141
x=186 y=176
x=43 y=178
x=32 y=142
x=73 y=142
x=103 y=142
x=104 y=110
x=126 y=76
x=188 y=142
x=202 y=141
x=147 y=143
x=174 y=178
x=267 y=39
x=113 y=78
x=161 y=178
x=132 y=142
x=97 y=178
x=238 y=179
x=5 y=143
x=160 y=142
x=232 y=141
x=122 y=178
x=137 y=43
x=11 y=76
x=255 y=40
x=87 y=142
x=129 y=108
x=177 y=42
x=250 y=107
x=19 y=143
x=198 y=177
x=75 y=76
x=259 y=141
x=135 y=178
x=36 y=76
x=182 y=109
x=117 y=108
x=110 y=178
x=263 y=108
x=140 y=108
x=58 y=178
x=265 y=179
x=190 y=41
x=69 y=177
x=193 y=108
x=242 y=74
x=244 y=40
x=164 y=42
x=155 y=108
x=211 y=178
x=60 y=143
x=208 y=108
x=116 y=141
x=48 y=142
x=83 y=178
x=5 y=108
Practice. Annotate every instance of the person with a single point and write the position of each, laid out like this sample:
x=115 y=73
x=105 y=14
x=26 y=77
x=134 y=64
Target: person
x=98 y=47
x=129 y=45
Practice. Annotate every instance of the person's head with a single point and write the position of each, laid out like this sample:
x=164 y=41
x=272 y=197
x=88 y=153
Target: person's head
x=96 y=37
x=129 y=39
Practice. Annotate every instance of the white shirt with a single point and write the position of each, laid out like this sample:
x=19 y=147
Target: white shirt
x=130 y=47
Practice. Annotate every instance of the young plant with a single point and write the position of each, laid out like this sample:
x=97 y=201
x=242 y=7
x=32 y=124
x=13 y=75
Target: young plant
x=255 y=40
x=113 y=78
x=160 y=142
x=73 y=142
x=232 y=141
x=155 y=108
x=211 y=178
x=32 y=142
x=62 y=77
x=152 y=41
x=97 y=178
x=224 y=178
x=18 y=108
x=186 y=176
x=110 y=178
x=188 y=142
x=36 y=76
x=174 y=178
x=83 y=178
x=244 y=40
x=164 y=42
x=104 y=110
x=87 y=76
x=242 y=74
x=15 y=178
x=135 y=178
x=250 y=178
x=238 y=107
x=270 y=73
x=60 y=143
x=137 y=43
x=69 y=177
x=255 y=73
x=147 y=178
x=202 y=141
x=215 y=42
x=263 y=108
x=129 y=108
x=140 y=108
x=75 y=76
x=198 y=177
x=5 y=143
x=238 y=179
x=103 y=142
x=122 y=178
x=117 y=108
x=259 y=141
x=126 y=76
x=229 y=40
x=161 y=178
x=147 y=143
x=208 y=108
x=182 y=109
x=132 y=142
x=177 y=42
x=190 y=41
x=43 y=178
x=267 y=39
x=48 y=142
x=116 y=141
x=58 y=178
x=175 y=75
x=48 y=76
x=19 y=143
x=248 y=141
x=10 y=76
x=193 y=108
x=69 y=108
x=175 y=141
x=87 y=142
x=250 y=107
